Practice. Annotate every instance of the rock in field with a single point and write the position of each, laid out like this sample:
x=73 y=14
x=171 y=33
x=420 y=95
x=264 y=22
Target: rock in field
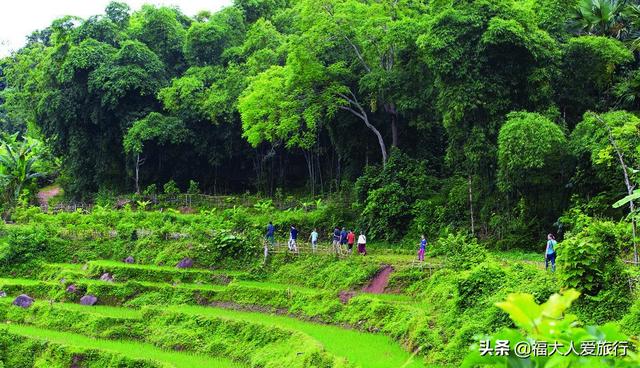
x=71 y=288
x=106 y=277
x=185 y=263
x=23 y=301
x=88 y=300
x=3 y=294
x=129 y=260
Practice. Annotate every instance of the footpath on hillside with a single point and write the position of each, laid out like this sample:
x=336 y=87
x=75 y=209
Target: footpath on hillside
x=45 y=194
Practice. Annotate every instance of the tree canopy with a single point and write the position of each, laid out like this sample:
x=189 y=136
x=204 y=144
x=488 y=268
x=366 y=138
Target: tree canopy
x=494 y=99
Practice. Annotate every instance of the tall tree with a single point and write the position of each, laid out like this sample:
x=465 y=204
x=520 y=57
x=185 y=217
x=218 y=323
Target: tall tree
x=611 y=142
x=488 y=58
x=370 y=43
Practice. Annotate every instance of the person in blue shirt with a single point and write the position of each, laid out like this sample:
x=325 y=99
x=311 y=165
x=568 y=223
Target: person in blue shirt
x=343 y=238
x=336 y=240
x=293 y=237
x=271 y=231
x=314 y=240
x=423 y=248
x=550 y=253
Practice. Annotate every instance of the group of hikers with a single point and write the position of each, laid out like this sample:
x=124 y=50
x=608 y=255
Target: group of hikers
x=343 y=240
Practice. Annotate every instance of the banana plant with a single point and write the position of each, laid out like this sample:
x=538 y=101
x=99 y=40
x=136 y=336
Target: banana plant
x=18 y=166
x=601 y=17
x=143 y=204
x=631 y=197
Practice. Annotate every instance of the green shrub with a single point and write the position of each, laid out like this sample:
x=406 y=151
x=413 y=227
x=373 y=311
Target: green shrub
x=170 y=188
x=589 y=261
x=482 y=280
x=194 y=187
x=459 y=251
x=150 y=190
x=150 y=237
x=630 y=323
x=549 y=322
x=386 y=195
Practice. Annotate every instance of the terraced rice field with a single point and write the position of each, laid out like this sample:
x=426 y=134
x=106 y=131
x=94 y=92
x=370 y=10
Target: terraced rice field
x=158 y=316
x=144 y=354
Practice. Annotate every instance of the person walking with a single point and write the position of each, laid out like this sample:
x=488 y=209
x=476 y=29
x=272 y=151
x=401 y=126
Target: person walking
x=550 y=253
x=343 y=239
x=293 y=237
x=351 y=239
x=271 y=231
x=314 y=240
x=336 y=240
x=362 y=244
x=423 y=248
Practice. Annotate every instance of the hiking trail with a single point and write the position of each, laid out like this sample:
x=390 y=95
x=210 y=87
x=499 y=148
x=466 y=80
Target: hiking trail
x=379 y=282
x=47 y=193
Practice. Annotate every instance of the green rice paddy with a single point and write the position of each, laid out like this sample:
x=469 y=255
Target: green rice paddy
x=134 y=350
x=358 y=348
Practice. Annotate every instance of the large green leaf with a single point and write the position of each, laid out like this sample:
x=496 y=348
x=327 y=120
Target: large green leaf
x=631 y=197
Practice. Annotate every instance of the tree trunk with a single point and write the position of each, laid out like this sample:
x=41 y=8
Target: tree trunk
x=390 y=108
x=139 y=162
x=308 y=157
x=470 y=183
x=362 y=114
x=318 y=165
x=338 y=173
x=137 y=179
x=630 y=188
x=394 y=131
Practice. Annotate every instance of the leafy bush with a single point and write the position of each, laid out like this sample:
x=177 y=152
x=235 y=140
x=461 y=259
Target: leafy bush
x=549 y=323
x=482 y=280
x=194 y=187
x=150 y=237
x=386 y=196
x=150 y=190
x=170 y=188
x=23 y=247
x=589 y=261
x=459 y=251
x=531 y=152
x=630 y=323
x=387 y=211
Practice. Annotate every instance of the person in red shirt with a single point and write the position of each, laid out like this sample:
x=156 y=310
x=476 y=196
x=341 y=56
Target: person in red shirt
x=351 y=239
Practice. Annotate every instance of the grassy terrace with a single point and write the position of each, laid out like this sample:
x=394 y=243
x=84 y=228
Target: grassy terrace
x=111 y=320
x=140 y=272
x=358 y=347
x=57 y=276
x=355 y=346
x=133 y=350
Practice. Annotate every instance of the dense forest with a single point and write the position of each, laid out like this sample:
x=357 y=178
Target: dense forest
x=187 y=190
x=494 y=116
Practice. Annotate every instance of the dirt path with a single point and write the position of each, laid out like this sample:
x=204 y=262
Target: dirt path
x=379 y=282
x=47 y=193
